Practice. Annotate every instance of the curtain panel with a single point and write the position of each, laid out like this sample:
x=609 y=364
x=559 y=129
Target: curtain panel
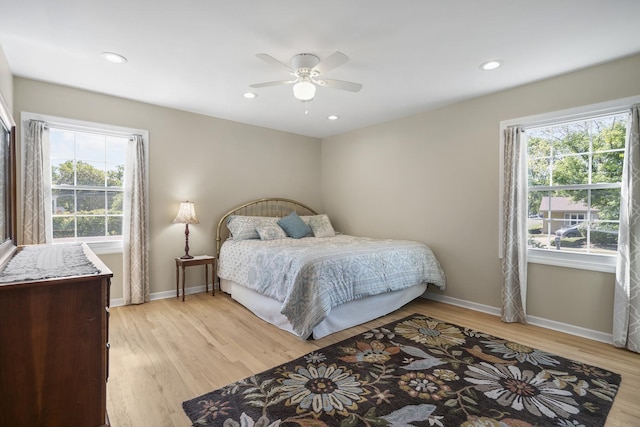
x=36 y=208
x=514 y=210
x=626 y=312
x=135 y=233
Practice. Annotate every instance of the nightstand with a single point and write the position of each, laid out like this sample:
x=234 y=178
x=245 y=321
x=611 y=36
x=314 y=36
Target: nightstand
x=205 y=260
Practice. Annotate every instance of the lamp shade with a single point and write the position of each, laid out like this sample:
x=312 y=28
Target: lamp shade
x=304 y=90
x=186 y=214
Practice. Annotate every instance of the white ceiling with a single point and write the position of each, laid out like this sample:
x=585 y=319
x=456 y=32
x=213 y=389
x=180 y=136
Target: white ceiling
x=410 y=55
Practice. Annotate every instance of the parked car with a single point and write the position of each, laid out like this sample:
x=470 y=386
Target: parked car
x=572 y=231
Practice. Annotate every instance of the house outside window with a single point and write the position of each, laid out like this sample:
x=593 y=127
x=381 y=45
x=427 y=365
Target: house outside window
x=558 y=212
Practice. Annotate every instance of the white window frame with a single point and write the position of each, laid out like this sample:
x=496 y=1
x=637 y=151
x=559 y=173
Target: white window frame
x=569 y=219
x=594 y=262
x=99 y=247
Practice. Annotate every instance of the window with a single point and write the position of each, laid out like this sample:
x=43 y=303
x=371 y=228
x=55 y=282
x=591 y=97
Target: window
x=574 y=167
x=573 y=218
x=574 y=174
x=87 y=171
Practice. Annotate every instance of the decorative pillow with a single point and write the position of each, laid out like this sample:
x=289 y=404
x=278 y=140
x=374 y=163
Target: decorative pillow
x=321 y=226
x=244 y=227
x=271 y=232
x=294 y=226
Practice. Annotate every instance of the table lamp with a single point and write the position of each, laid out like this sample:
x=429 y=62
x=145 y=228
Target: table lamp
x=186 y=215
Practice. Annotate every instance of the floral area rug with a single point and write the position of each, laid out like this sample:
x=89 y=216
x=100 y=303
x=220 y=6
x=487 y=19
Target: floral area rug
x=417 y=371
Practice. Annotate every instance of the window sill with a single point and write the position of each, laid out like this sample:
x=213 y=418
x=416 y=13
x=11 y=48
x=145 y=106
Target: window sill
x=106 y=247
x=602 y=263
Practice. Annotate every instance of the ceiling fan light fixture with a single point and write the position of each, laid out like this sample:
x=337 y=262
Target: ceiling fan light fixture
x=307 y=69
x=304 y=90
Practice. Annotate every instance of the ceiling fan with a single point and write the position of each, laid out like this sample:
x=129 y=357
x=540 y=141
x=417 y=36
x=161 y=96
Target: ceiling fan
x=307 y=69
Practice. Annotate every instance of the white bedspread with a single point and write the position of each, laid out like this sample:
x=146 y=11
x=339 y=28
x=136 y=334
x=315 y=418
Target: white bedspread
x=312 y=275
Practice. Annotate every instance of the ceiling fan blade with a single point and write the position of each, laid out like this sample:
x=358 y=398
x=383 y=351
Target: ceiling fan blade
x=332 y=61
x=271 y=60
x=279 y=82
x=340 y=84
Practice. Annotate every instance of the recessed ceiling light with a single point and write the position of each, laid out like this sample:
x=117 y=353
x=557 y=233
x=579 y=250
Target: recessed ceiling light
x=113 y=57
x=491 y=65
x=333 y=117
x=249 y=95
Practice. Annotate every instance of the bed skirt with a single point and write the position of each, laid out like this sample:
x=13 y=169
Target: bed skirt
x=341 y=317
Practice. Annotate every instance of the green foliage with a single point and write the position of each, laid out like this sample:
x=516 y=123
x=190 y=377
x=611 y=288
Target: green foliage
x=573 y=242
x=84 y=209
x=87 y=226
x=604 y=234
x=559 y=155
x=533 y=243
x=63 y=227
x=115 y=178
x=85 y=174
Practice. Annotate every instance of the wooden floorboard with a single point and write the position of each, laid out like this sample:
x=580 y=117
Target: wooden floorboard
x=168 y=351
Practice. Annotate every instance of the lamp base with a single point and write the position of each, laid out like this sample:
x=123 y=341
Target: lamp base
x=186 y=243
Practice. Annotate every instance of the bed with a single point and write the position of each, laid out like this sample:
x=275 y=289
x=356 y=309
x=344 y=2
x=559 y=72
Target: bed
x=319 y=281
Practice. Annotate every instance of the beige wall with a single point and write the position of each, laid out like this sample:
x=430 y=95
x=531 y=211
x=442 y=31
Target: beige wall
x=6 y=79
x=433 y=177
x=215 y=163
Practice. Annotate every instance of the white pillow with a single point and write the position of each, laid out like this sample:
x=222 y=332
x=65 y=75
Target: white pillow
x=243 y=227
x=321 y=225
x=271 y=232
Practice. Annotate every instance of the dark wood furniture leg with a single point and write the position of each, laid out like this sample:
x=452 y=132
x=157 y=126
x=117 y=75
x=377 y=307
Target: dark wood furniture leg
x=177 y=280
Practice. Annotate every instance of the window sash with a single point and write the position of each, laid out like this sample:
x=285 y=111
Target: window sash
x=589 y=240
x=96 y=224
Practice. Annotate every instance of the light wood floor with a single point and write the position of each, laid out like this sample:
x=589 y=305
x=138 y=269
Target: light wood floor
x=168 y=351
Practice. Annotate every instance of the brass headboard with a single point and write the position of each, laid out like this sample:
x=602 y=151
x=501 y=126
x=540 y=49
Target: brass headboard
x=274 y=206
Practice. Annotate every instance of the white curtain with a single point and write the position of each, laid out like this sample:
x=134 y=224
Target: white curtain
x=514 y=260
x=36 y=210
x=626 y=311
x=135 y=232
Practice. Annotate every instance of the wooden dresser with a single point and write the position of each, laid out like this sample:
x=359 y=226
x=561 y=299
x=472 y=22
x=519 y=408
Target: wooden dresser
x=54 y=350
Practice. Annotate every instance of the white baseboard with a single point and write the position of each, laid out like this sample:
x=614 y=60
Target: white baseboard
x=533 y=320
x=117 y=302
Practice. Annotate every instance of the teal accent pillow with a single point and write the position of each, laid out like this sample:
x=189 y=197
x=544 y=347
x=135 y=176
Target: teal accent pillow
x=294 y=226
